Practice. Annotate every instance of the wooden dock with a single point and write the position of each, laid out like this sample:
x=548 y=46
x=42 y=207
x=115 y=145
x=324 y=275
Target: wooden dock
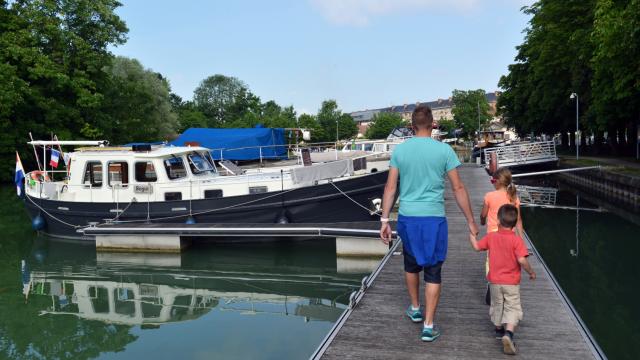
x=377 y=328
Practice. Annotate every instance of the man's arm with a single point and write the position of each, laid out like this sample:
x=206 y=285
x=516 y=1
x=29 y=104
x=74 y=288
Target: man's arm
x=462 y=198
x=387 y=203
x=527 y=267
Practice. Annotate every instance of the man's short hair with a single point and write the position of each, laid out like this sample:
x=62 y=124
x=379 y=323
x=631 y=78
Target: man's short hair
x=422 y=118
x=508 y=216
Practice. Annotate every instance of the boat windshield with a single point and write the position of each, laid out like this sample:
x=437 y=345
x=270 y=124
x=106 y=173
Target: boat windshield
x=201 y=163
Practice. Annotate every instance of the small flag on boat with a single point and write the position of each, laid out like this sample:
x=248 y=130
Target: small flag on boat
x=55 y=157
x=66 y=158
x=19 y=179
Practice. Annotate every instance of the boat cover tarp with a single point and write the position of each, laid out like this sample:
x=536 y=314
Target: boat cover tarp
x=237 y=144
x=316 y=172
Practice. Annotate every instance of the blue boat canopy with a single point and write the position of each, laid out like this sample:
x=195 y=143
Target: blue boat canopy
x=245 y=141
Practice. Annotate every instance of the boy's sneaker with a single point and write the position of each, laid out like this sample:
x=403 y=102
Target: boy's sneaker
x=500 y=333
x=429 y=334
x=508 y=346
x=414 y=315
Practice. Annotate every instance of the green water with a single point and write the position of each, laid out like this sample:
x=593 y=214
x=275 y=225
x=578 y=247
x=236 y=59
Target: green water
x=594 y=257
x=64 y=300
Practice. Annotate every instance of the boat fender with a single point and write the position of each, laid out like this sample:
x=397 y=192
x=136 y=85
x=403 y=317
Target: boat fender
x=190 y=220
x=283 y=217
x=38 y=223
x=376 y=206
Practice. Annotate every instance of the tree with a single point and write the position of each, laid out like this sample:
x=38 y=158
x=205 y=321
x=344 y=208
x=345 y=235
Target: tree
x=616 y=67
x=51 y=58
x=382 y=125
x=470 y=110
x=551 y=63
x=329 y=116
x=447 y=126
x=310 y=122
x=218 y=94
x=137 y=104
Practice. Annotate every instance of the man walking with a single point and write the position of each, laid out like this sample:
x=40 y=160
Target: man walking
x=421 y=163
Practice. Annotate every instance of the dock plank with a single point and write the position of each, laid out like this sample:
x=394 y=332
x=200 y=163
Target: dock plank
x=378 y=328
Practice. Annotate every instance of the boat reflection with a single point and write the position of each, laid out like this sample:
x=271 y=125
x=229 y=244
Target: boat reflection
x=152 y=289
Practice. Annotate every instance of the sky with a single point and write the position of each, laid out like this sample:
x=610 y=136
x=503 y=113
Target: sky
x=365 y=54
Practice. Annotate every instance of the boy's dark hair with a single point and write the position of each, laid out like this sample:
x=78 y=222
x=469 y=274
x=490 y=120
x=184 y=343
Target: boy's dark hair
x=422 y=117
x=508 y=216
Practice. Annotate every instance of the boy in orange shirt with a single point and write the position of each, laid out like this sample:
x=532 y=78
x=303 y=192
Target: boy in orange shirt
x=507 y=253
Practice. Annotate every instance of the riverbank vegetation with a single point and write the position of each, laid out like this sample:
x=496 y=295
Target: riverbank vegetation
x=58 y=76
x=587 y=47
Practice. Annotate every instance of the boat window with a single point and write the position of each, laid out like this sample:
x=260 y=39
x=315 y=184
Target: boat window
x=175 y=168
x=368 y=147
x=199 y=164
x=118 y=173
x=99 y=296
x=145 y=172
x=172 y=196
x=212 y=194
x=93 y=174
x=124 y=301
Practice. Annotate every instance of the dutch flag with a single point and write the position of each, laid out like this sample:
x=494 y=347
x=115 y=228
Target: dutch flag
x=55 y=157
x=19 y=179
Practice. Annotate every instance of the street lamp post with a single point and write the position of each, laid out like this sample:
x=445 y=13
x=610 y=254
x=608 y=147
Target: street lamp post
x=575 y=96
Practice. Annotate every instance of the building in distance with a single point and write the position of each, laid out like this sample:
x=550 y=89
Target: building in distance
x=441 y=108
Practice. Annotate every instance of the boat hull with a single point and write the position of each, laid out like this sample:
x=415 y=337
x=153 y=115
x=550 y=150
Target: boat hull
x=323 y=203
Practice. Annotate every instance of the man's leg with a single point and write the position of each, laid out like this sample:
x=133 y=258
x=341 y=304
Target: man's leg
x=433 y=279
x=432 y=296
x=413 y=287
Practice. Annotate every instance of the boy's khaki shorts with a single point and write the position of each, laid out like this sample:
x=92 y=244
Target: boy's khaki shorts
x=505 y=304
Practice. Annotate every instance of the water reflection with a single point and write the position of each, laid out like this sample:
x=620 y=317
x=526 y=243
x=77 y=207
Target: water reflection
x=589 y=243
x=264 y=287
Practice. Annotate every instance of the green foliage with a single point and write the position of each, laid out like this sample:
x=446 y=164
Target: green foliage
x=383 y=123
x=588 y=47
x=330 y=116
x=137 y=105
x=616 y=64
x=470 y=110
x=223 y=98
x=51 y=58
x=310 y=122
x=447 y=125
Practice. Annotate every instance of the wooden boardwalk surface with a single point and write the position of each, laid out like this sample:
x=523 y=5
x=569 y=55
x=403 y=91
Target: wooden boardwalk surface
x=379 y=329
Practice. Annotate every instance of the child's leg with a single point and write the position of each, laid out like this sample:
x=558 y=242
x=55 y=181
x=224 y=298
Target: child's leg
x=512 y=307
x=497 y=305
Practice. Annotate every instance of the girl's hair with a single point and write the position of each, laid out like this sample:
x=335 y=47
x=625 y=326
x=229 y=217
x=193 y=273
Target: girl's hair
x=503 y=178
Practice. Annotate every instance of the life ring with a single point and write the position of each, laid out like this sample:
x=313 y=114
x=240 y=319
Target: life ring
x=39 y=176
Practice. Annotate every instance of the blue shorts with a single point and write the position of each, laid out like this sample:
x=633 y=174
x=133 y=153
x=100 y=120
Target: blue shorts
x=425 y=239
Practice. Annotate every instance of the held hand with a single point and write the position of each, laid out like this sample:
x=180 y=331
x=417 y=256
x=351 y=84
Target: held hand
x=473 y=228
x=385 y=232
x=532 y=276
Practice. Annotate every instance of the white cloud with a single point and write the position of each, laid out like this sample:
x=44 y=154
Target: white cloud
x=360 y=12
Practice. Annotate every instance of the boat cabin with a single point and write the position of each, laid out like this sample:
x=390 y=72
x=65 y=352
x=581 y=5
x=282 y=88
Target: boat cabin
x=159 y=173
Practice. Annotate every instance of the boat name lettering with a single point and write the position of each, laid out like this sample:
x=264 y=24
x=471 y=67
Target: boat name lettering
x=143 y=189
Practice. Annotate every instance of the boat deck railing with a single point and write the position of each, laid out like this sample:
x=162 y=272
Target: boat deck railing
x=522 y=154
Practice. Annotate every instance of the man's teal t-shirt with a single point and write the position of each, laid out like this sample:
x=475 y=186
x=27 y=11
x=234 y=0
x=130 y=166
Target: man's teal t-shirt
x=423 y=164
